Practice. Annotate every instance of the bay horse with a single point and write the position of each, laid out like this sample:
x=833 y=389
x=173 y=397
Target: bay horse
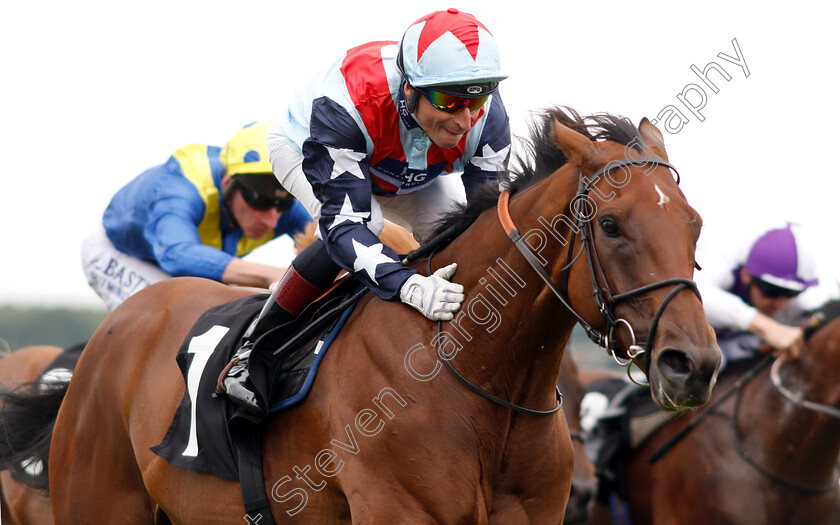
x=386 y=435
x=23 y=505
x=765 y=455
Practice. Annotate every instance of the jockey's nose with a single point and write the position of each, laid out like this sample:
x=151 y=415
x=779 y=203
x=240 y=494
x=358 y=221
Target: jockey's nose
x=464 y=119
x=270 y=217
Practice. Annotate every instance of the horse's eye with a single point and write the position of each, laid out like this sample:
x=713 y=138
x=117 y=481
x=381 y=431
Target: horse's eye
x=610 y=227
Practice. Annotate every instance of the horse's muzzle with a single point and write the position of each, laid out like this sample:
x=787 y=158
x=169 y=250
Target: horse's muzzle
x=679 y=381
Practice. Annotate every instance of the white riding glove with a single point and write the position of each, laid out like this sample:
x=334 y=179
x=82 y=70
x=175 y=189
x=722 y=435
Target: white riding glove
x=434 y=296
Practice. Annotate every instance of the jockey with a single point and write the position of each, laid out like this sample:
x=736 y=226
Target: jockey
x=764 y=287
x=369 y=139
x=195 y=215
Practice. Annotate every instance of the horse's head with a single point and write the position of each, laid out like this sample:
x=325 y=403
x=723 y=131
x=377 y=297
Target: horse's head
x=639 y=233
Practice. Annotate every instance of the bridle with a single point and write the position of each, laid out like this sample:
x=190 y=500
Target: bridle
x=605 y=298
x=797 y=398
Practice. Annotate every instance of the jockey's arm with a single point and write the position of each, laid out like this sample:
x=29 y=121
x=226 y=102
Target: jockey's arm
x=337 y=165
x=247 y=273
x=397 y=238
x=784 y=338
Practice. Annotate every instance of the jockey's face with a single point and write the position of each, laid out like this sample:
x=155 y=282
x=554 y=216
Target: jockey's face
x=254 y=223
x=444 y=129
x=769 y=306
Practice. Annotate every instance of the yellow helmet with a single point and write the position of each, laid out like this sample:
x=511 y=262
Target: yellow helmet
x=245 y=158
x=247 y=152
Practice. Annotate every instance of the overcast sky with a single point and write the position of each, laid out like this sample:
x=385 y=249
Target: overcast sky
x=95 y=92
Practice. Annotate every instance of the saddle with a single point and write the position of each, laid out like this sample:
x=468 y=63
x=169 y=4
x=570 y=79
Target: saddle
x=207 y=431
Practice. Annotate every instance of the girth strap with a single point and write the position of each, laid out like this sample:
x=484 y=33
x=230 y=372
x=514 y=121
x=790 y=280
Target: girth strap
x=251 y=482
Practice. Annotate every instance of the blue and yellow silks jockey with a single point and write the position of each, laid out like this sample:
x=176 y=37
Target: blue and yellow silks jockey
x=195 y=215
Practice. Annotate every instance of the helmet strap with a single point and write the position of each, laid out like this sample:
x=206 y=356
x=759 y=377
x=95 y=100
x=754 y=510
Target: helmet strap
x=411 y=102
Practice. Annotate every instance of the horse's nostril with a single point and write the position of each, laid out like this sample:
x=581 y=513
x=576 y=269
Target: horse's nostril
x=676 y=361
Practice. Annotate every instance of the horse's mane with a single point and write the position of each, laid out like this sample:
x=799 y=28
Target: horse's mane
x=541 y=157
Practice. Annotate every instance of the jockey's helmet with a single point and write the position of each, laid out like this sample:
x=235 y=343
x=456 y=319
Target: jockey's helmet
x=246 y=151
x=783 y=258
x=452 y=51
x=245 y=158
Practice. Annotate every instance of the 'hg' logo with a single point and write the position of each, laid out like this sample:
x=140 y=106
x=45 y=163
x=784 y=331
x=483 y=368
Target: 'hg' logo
x=414 y=179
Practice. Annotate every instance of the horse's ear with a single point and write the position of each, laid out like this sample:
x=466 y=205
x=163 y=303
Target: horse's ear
x=653 y=138
x=572 y=143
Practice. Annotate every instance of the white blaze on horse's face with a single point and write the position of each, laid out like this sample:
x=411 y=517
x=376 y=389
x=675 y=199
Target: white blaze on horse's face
x=663 y=199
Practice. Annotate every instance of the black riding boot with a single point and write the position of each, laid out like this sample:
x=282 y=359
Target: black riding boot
x=308 y=276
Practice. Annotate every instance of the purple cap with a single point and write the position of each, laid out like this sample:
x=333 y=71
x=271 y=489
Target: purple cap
x=782 y=258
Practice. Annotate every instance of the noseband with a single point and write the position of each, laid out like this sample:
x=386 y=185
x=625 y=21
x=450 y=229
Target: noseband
x=605 y=299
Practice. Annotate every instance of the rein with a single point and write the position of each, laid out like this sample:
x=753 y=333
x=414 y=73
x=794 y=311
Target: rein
x=795 y=398
x=605 y=299
x=480 y=391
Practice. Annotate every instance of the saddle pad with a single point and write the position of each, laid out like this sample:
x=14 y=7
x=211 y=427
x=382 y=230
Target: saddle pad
x=61 y=368
x=200 y=436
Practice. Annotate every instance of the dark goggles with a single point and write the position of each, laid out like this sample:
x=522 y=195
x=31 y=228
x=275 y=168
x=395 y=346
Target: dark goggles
x=260 y=202
x=771 y=291
x=452 y=103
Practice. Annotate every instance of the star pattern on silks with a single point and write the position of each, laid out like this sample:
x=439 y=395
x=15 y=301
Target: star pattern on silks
x=368 y=258
x=346 y=161
x=442 y=23
x=490 y=160
x=348 y=214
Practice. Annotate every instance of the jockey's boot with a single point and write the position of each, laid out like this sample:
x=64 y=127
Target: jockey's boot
x=308 y=276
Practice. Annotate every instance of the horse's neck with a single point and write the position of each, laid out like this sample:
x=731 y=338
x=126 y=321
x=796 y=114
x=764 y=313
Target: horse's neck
x=791 y=439
x=513 y=328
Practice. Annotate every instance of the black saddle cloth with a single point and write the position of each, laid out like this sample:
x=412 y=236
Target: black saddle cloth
x=282 y=366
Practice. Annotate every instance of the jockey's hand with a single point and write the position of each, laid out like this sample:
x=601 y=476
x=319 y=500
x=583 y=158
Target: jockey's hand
x=434 y=296
x=781 y=337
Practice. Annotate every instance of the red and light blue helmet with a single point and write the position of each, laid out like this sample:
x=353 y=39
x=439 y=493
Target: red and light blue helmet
x=784 y=258
x=450 y=49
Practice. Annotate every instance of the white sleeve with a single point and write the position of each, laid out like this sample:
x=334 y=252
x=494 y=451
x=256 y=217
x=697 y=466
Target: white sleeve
x=724 y=310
